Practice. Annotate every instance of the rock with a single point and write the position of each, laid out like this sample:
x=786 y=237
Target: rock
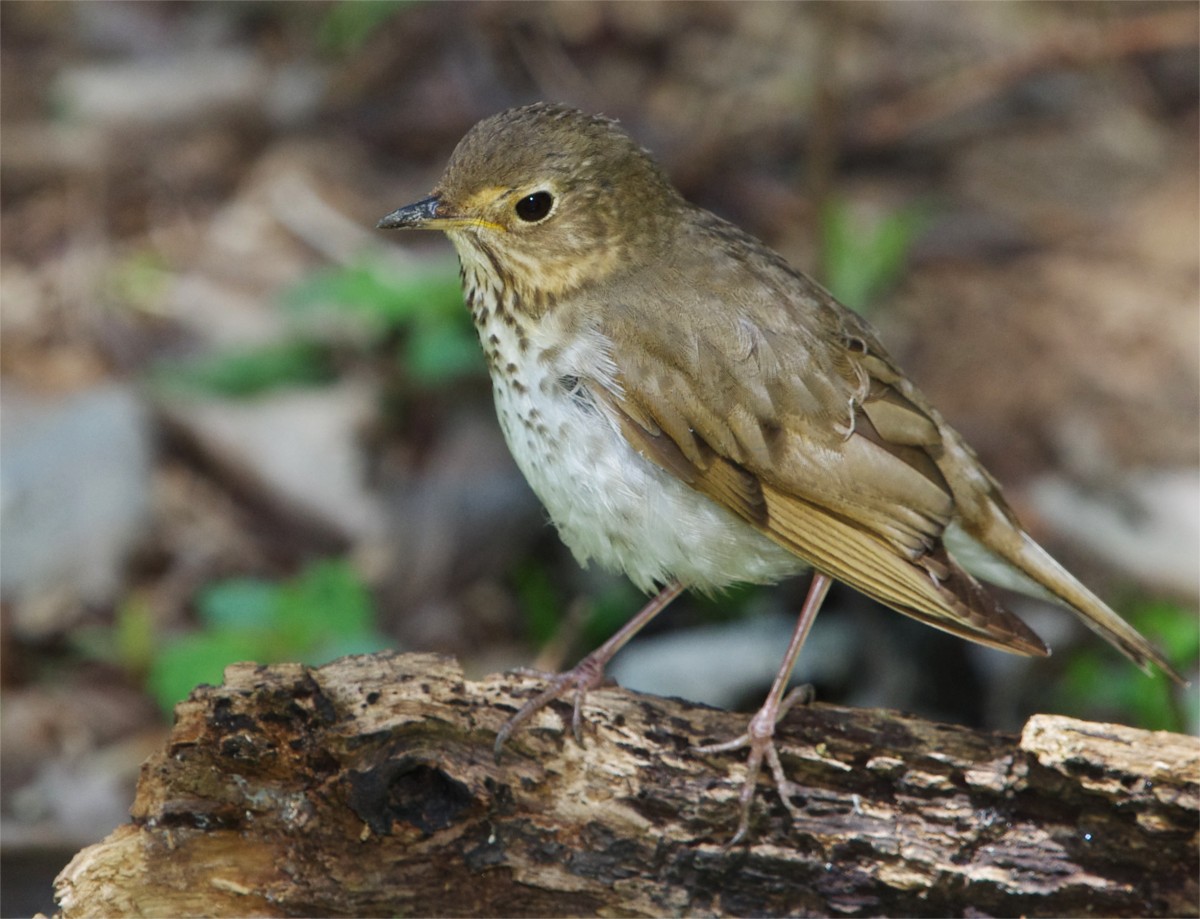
x=1150 y=528
x=721 y=665
x=174 y=88
x=74 y=499
x=299 y=446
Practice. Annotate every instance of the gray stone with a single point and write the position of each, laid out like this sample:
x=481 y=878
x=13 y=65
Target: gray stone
x=300 y=446
x=74 y=499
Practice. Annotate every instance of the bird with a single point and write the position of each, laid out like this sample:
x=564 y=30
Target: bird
x=694 y=412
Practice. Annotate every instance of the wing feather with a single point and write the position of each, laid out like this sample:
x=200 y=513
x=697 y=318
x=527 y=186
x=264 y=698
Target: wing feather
x=778 y=404
x=931 y=588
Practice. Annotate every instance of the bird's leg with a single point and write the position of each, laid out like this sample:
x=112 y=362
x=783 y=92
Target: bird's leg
x=589 y=672
x=760 y=733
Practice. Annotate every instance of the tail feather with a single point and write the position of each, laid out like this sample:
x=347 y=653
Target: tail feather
x=1035 y=572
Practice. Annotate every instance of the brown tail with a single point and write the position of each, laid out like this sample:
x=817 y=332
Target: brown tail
x=1018 y=549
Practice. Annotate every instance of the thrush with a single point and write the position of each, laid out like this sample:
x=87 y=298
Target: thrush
x=694 y=412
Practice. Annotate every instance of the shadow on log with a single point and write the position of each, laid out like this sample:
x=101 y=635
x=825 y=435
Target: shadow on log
x=367 y=788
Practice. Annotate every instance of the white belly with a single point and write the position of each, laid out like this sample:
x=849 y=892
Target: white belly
x=609 y=503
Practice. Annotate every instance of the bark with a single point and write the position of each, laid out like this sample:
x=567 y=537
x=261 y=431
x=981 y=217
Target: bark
x=368 y=787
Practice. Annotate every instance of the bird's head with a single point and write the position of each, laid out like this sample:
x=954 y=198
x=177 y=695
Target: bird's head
x=547 y=197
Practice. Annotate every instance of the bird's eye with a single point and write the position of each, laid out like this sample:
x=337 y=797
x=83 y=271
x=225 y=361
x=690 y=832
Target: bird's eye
x=533 y=208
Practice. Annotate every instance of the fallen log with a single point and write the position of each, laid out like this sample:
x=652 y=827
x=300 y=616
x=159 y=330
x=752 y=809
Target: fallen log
x=367 y=787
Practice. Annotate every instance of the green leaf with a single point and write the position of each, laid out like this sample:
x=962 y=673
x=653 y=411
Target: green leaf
x=326 y=602
x=135 y=635
x=324 y=613
x=367 y=642
x=129 y=643
x=138 y=281
x=390 y=300
x=610 y=610
x=240 y=603
x=250 y=371
x=539 y=603
x=200 y=657
x=1097 y=684
x=349 y=24
x=1174 y=629
x=439 y=342
x=859 y=262
x=440 y=351
x=729 y=604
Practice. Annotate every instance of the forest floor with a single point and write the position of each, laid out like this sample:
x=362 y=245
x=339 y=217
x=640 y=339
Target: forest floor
x=239 y=423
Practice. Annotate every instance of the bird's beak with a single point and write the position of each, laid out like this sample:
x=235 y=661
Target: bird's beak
x=431 y=214
x=422 y=215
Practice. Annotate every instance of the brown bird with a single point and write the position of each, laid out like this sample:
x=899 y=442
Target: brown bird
x=696 y=413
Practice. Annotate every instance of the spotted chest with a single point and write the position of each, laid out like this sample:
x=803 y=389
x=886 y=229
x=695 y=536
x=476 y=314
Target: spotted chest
x=609 y=503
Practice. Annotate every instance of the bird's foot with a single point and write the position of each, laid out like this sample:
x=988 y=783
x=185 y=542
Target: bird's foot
x=587 y=674
x=760 y=740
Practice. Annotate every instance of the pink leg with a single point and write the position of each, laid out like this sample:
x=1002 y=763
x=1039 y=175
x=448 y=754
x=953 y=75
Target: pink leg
x=760 y=733
x=589 y=672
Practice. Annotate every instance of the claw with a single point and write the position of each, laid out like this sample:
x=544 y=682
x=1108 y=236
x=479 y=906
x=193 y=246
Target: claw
x=587 y=674
x=760 y=740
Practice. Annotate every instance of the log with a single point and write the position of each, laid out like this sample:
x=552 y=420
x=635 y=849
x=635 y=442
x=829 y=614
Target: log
x=367 y=787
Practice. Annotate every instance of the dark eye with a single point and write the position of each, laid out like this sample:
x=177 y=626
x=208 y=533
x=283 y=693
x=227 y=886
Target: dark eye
x=533 y=208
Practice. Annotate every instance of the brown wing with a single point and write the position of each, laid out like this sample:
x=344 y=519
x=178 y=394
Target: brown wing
x=784 y=410
x=929 y=587
x=782 y=406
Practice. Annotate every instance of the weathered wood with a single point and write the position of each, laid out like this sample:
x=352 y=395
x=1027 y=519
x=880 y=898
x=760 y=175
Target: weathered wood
x=367 y=787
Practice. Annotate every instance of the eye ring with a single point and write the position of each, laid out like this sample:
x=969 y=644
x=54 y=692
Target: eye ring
x=534 y=207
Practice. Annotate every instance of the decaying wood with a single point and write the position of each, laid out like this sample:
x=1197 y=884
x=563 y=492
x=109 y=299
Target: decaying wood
x=368 y=788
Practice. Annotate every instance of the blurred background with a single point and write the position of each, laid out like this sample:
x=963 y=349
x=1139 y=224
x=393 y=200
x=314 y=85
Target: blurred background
x=240 y=424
